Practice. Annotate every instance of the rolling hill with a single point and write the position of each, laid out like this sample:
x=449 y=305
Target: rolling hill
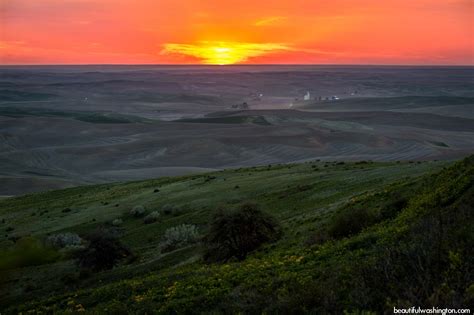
x=357 y=236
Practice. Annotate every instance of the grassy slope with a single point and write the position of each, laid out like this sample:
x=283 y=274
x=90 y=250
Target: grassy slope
x=303 y=197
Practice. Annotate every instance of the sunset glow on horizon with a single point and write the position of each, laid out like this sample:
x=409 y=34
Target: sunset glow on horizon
x=236 y=32
x=223 y=53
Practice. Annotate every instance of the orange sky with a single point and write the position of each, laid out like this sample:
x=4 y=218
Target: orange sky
x=236 y=31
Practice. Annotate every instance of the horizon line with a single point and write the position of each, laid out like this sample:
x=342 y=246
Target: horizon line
x=237 y=65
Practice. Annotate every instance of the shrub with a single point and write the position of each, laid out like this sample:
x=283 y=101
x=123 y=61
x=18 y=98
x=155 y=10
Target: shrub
x=349 y=222
x=179 y=236
x=117 y=222
x=236 y=233
x=70 y=279
x=27 y=251
x=352 y=220
x=152 y=217
x=103 y=251
x=170 y=209
x=393 y=207
x=137 y=211
x=317 y=238
x=63 y=240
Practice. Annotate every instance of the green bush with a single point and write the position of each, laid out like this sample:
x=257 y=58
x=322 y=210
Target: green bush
x=27 y=251
x=63 y=240
x=317 y=238
x=138 y=211
x=171 y=210
x=117 y=222
x=179 y=236
x=393 y=206
x=167 y=209
x=355 y=217
x=103 y=251
x=349 y=222
x=239 y=232
x=152 y=217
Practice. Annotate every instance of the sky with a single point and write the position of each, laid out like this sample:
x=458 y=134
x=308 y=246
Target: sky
x=237 y=31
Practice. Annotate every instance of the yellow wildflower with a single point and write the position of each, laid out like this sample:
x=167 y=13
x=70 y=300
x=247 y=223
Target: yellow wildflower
x=138 y=298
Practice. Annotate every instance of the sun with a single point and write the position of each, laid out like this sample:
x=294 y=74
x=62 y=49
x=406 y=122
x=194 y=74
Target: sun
x=223 y=53
x=223 y=56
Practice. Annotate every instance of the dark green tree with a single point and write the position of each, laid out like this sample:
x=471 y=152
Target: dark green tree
x=103 y=251
x=235 y=233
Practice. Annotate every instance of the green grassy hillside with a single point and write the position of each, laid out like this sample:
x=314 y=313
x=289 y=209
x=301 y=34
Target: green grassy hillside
x=359 y=236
